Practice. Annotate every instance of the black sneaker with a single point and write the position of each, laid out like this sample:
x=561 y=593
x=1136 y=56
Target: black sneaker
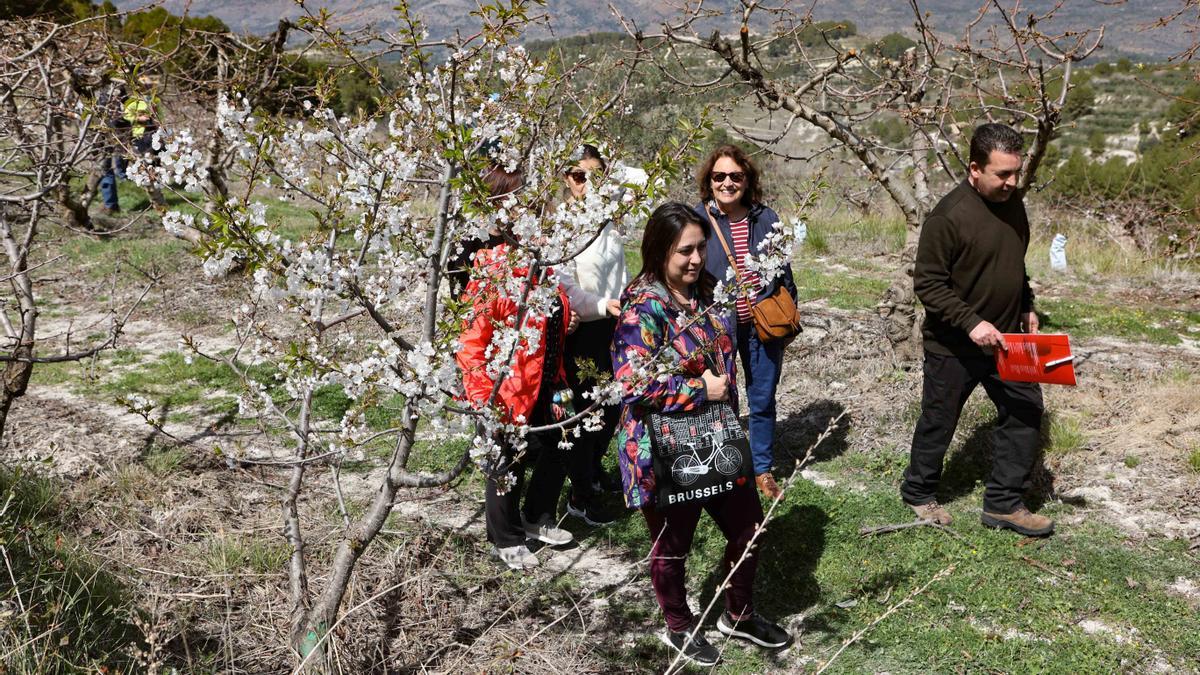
x=755 y=629
x=590 y=513
x=697 y=649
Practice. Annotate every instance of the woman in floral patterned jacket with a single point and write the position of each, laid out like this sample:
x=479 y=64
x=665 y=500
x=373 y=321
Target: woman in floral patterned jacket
x=666 y=334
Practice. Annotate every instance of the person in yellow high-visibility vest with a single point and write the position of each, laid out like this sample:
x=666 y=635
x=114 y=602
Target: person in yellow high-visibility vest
x=139 y=112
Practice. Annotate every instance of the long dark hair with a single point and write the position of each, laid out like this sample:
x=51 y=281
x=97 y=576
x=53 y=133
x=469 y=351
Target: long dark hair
x=662 y=232
x=753 y=194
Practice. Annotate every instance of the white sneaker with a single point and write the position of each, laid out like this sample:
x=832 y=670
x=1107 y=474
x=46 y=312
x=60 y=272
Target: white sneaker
x=516 y=557
x=547 y=531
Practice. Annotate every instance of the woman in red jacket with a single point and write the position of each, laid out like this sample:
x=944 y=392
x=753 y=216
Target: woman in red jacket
x=525 y=395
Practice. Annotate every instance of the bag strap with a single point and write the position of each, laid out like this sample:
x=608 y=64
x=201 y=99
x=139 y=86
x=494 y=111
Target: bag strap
x=724 y=244
x=728 y=254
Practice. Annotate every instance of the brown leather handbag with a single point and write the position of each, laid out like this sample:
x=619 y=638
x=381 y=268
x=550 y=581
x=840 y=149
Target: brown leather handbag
x=776 y=316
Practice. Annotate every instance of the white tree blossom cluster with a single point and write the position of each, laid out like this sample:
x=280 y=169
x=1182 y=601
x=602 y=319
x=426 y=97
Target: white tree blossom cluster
x=774 y=251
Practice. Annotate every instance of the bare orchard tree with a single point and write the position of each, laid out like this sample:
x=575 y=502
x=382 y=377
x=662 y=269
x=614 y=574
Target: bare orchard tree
x=1004 y=68
x=47 y=72
x=362 y=304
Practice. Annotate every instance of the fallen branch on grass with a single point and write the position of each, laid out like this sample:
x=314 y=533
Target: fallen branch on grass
x=1069 y=576
x=890 y=610
x=896 y=527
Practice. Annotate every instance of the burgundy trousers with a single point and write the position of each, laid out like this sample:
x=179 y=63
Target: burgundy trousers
x=737 y=513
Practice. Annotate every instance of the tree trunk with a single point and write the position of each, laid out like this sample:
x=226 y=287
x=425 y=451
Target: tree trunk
x=16 y=373
x=74 y=213
x=899 y=309
x=15 y=381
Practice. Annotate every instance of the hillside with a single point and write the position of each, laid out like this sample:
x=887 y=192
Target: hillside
x=1125 y=23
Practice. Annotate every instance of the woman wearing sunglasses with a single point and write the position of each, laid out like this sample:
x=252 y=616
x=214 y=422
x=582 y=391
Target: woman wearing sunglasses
x=731 y=199
x=593 y=281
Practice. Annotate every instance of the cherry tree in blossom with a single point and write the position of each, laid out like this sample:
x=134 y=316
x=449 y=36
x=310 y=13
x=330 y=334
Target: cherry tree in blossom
x=362 y=303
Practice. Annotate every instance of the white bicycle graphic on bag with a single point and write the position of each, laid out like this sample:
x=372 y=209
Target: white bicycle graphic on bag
x=726 y=459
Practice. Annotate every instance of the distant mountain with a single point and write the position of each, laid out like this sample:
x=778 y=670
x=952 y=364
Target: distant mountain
x=441 y=17
x=1126 y=23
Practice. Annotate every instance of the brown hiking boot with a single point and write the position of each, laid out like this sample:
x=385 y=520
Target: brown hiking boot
x=932 y=511
x=1021 y=521
x=767 y=486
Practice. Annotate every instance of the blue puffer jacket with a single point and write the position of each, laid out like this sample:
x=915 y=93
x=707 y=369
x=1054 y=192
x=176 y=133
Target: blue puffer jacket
x=762 y=221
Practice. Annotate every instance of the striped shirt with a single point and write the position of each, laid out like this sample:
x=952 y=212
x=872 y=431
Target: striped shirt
x=741 y=248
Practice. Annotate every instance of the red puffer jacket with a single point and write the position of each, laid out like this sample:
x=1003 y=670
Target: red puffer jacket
x=519 y=391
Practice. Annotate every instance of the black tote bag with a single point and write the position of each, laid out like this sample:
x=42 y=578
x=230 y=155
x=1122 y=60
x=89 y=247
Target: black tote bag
x=698 y=454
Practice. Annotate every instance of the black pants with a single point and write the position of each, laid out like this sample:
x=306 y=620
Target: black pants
x=949 y=381
x=502 y=511
x=592 y=340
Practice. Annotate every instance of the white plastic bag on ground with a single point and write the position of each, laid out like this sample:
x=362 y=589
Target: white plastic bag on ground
x=1058 y=253
x=799 y=232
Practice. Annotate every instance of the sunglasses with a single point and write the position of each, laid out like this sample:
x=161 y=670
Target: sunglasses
x=720 y=176
x=576 y=175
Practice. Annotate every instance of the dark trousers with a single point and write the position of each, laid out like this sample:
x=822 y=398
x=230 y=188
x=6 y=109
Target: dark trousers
x=949 y=381
x=762 y=363
x=502 y=512
x=592 y=340
x=737 y=513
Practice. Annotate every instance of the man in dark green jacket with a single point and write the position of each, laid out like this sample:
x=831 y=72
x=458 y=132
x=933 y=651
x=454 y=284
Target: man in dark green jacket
x=970 y=276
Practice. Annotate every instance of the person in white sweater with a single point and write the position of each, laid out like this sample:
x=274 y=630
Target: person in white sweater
x=593 y=281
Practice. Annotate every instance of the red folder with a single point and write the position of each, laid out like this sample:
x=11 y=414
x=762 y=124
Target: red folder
x=1040 y=357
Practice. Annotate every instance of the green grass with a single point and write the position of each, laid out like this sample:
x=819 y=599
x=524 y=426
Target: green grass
x=990 y=614
x=54 y=373
x=164 y=460
x=1008 y=606
x=330 y=402
x=172 y=382
x=816 y=242
x=62 y=611
x=871 y=234
x=813 y=559
x=1085 y=320
x=1063 y=435
x=433 y=455
x=226 y=554
x=295 y=222
x=1092 y=256
x=100 y=258
x=633 y=258
x=1193 y=460
x=841 y=290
